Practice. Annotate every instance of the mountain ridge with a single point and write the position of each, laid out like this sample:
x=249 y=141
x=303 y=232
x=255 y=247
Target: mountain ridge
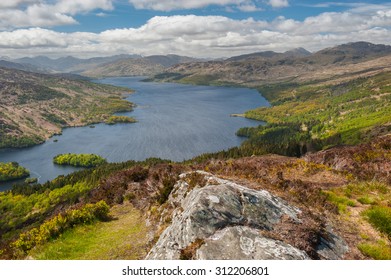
x=268 y=68
x=144 y=66
x=68 y=63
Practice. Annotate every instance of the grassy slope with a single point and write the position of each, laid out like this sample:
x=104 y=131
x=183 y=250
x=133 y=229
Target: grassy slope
x=124 y=237
x=366 y=206
x=35 y=106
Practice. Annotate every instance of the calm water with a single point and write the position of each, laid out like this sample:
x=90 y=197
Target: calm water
x=175 y=122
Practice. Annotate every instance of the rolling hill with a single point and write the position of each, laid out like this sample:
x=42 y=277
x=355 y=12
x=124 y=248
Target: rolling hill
x=35 y=106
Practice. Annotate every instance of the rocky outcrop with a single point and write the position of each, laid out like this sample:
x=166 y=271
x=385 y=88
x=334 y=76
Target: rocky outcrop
x=225 y=220
x=244 y=243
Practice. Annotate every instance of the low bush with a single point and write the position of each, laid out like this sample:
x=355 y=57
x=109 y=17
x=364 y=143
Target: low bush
x=60 y=223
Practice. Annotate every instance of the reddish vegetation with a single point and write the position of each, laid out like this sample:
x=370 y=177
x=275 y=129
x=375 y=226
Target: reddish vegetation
x=371 y=161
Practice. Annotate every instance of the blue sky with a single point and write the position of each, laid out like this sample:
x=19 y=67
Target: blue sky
x=201 y=28
x=125 y=15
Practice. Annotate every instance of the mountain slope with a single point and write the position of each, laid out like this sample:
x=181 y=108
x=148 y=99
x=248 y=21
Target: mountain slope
x=145 y=66
x=36 y=106
x=68 y=64
x=18 y=66
x=270 y=67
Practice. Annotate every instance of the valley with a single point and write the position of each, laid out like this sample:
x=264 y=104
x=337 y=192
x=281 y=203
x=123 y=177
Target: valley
x=312 y=181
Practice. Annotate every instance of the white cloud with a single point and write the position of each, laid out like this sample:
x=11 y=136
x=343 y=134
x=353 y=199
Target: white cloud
x=16 y=3
x=279 y=3
x=33 y=38
x=207 y=36
x=45 y=13
x=80 y=6
x=170 y=5
x=249 y=7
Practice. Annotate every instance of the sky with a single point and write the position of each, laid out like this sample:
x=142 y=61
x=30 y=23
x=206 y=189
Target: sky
x=197 y=28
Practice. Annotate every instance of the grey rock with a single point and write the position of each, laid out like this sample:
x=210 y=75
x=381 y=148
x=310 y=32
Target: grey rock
x=332 y=247
x=223 y=204
x=244 y=243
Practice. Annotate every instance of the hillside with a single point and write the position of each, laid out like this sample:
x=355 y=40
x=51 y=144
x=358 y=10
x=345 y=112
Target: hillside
x=354 y=59
x=328 y=205
x=313 y=183
x=36 y=106
x=144 y=66
x=67 y=64
x=344 y=99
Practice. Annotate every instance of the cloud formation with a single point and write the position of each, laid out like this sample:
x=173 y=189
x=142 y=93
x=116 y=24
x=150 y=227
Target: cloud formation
x=171 y=5
x=208 y=36
x=46 y=13
x=279 y=3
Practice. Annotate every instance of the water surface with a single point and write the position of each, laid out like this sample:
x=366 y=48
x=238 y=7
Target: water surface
x=175 y=122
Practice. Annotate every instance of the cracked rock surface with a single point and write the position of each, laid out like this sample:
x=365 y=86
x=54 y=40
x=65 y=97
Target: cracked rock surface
x=228 y=218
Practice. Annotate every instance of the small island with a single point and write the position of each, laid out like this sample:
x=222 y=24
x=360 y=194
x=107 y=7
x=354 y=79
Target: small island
x=31 y=180
x=79 y=160
x=120 y=119
x=11 y=171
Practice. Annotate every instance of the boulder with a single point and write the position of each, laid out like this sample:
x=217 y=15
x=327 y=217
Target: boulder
x=225 y=220
x=244 y=243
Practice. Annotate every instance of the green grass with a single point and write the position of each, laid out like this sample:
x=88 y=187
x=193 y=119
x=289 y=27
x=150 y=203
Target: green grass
x=380 y=218
x=378 y=251
x=366 y=193
x=340 y=201
x=374 y=198
x=366 y=200
x=124 y=237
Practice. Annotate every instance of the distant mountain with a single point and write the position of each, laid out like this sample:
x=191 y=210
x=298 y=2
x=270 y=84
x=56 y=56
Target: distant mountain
x=18 y=66
x=144 y=66
x=298 y=52
x=257 y=55
x=295 y=65
x=349 y=53
x=357 y=50
x=69 y=64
